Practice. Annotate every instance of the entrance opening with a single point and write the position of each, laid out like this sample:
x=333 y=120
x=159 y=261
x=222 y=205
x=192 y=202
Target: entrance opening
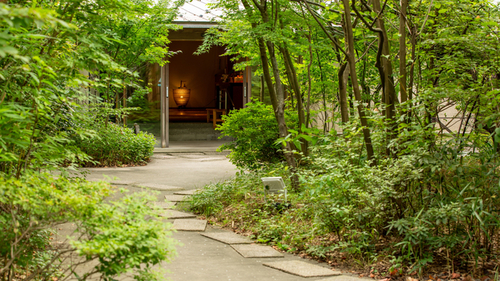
x=210 y=77
x=214 y=88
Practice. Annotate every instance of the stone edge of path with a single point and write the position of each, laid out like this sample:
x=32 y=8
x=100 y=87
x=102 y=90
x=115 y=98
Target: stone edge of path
x=226 y=237
x=302 y=268
x=159 y=187
x=186 y=192
x=174 y=214
x=176 y=198
x=180 y=225
x=256 y=251
x=152 y=186
x=345 y=278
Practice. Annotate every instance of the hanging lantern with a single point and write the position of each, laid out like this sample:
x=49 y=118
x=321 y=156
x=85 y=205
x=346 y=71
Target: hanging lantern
x=181 y=95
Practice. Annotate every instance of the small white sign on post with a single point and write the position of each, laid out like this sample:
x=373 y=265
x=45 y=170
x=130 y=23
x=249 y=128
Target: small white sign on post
x=274 y=185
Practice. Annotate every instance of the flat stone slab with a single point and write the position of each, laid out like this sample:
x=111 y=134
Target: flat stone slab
x=345 y=278
x=227 y=237
x=209 y=159
x=161 y=187
x=186 y=192
x=190 y=225
x=173 y=214
x=191 y=155
x=164 y=205
x=122 y=182
x=301 y=268
x=175 y=198
x=256 y=251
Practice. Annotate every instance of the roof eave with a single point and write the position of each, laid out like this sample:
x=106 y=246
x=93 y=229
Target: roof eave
x=196 y=24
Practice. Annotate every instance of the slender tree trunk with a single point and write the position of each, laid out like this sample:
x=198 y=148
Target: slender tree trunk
x=414 y=61
x=261 y=97
x=325 y=126
x=279 y=111
x=125 y=105
x=117 y=106
x=389 y=89
x=354 y=79
x=294 y=83
x=343 y=74
x=277 y=94
x=402 y=51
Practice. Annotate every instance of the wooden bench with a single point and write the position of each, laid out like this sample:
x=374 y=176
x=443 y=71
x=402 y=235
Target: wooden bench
x=212 y=115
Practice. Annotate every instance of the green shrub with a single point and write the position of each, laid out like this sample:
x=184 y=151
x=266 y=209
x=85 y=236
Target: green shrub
x=255 y=132
x=116 y=145
x=112 y=237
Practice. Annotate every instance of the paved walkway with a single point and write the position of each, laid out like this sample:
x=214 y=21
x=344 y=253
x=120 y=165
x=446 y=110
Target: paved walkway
x=187 y=168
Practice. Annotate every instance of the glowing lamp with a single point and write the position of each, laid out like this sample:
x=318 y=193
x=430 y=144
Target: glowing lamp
x=181 y=95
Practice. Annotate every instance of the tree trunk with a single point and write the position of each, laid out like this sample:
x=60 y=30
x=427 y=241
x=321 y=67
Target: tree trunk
x=125 y=105
x=343 y=74
x=279 y=112
x=354 y=79
x=276 y=92
x=414 y=60
x=294 y=83
x=402 y=51
x=389 y=89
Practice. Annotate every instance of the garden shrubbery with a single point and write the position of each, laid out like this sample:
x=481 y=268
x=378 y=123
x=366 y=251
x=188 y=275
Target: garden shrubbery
x=55 y=62
x=255 y=132
x=115 y=145
x=114 y=237
x=425 y=209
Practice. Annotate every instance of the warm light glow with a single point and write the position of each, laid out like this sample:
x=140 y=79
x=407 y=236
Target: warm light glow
x=181 y=95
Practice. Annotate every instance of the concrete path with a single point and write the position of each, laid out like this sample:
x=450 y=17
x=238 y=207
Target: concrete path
x=199 y=258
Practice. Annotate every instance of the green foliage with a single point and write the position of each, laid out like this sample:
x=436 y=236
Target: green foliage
x=120 y=235
x=146 y=111
x=255 y=132
x=56 y=58
x=138 y=99
x=115 y=146
x=418 y=208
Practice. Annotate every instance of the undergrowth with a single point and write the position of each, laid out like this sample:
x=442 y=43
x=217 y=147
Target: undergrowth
x=415 y=214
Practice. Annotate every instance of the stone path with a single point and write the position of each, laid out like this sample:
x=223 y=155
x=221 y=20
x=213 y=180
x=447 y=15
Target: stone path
x=209 y=253
x=247 y=249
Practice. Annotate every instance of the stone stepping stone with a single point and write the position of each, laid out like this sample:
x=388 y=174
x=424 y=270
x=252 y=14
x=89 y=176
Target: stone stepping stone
x=301 y=268
x=190 y=225
x=191 y=155
x=345 y=278
x=186 y=192
x=175 y=198
x=256 y=251
x=227 y=237
x=173 y=214
x=122 y=182
x=161 y=187
x=165 y=205
x=209 y=159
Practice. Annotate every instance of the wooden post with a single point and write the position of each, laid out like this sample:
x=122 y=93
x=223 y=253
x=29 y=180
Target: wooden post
x=164 y=105
x=248 y=84
x=125 y=105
